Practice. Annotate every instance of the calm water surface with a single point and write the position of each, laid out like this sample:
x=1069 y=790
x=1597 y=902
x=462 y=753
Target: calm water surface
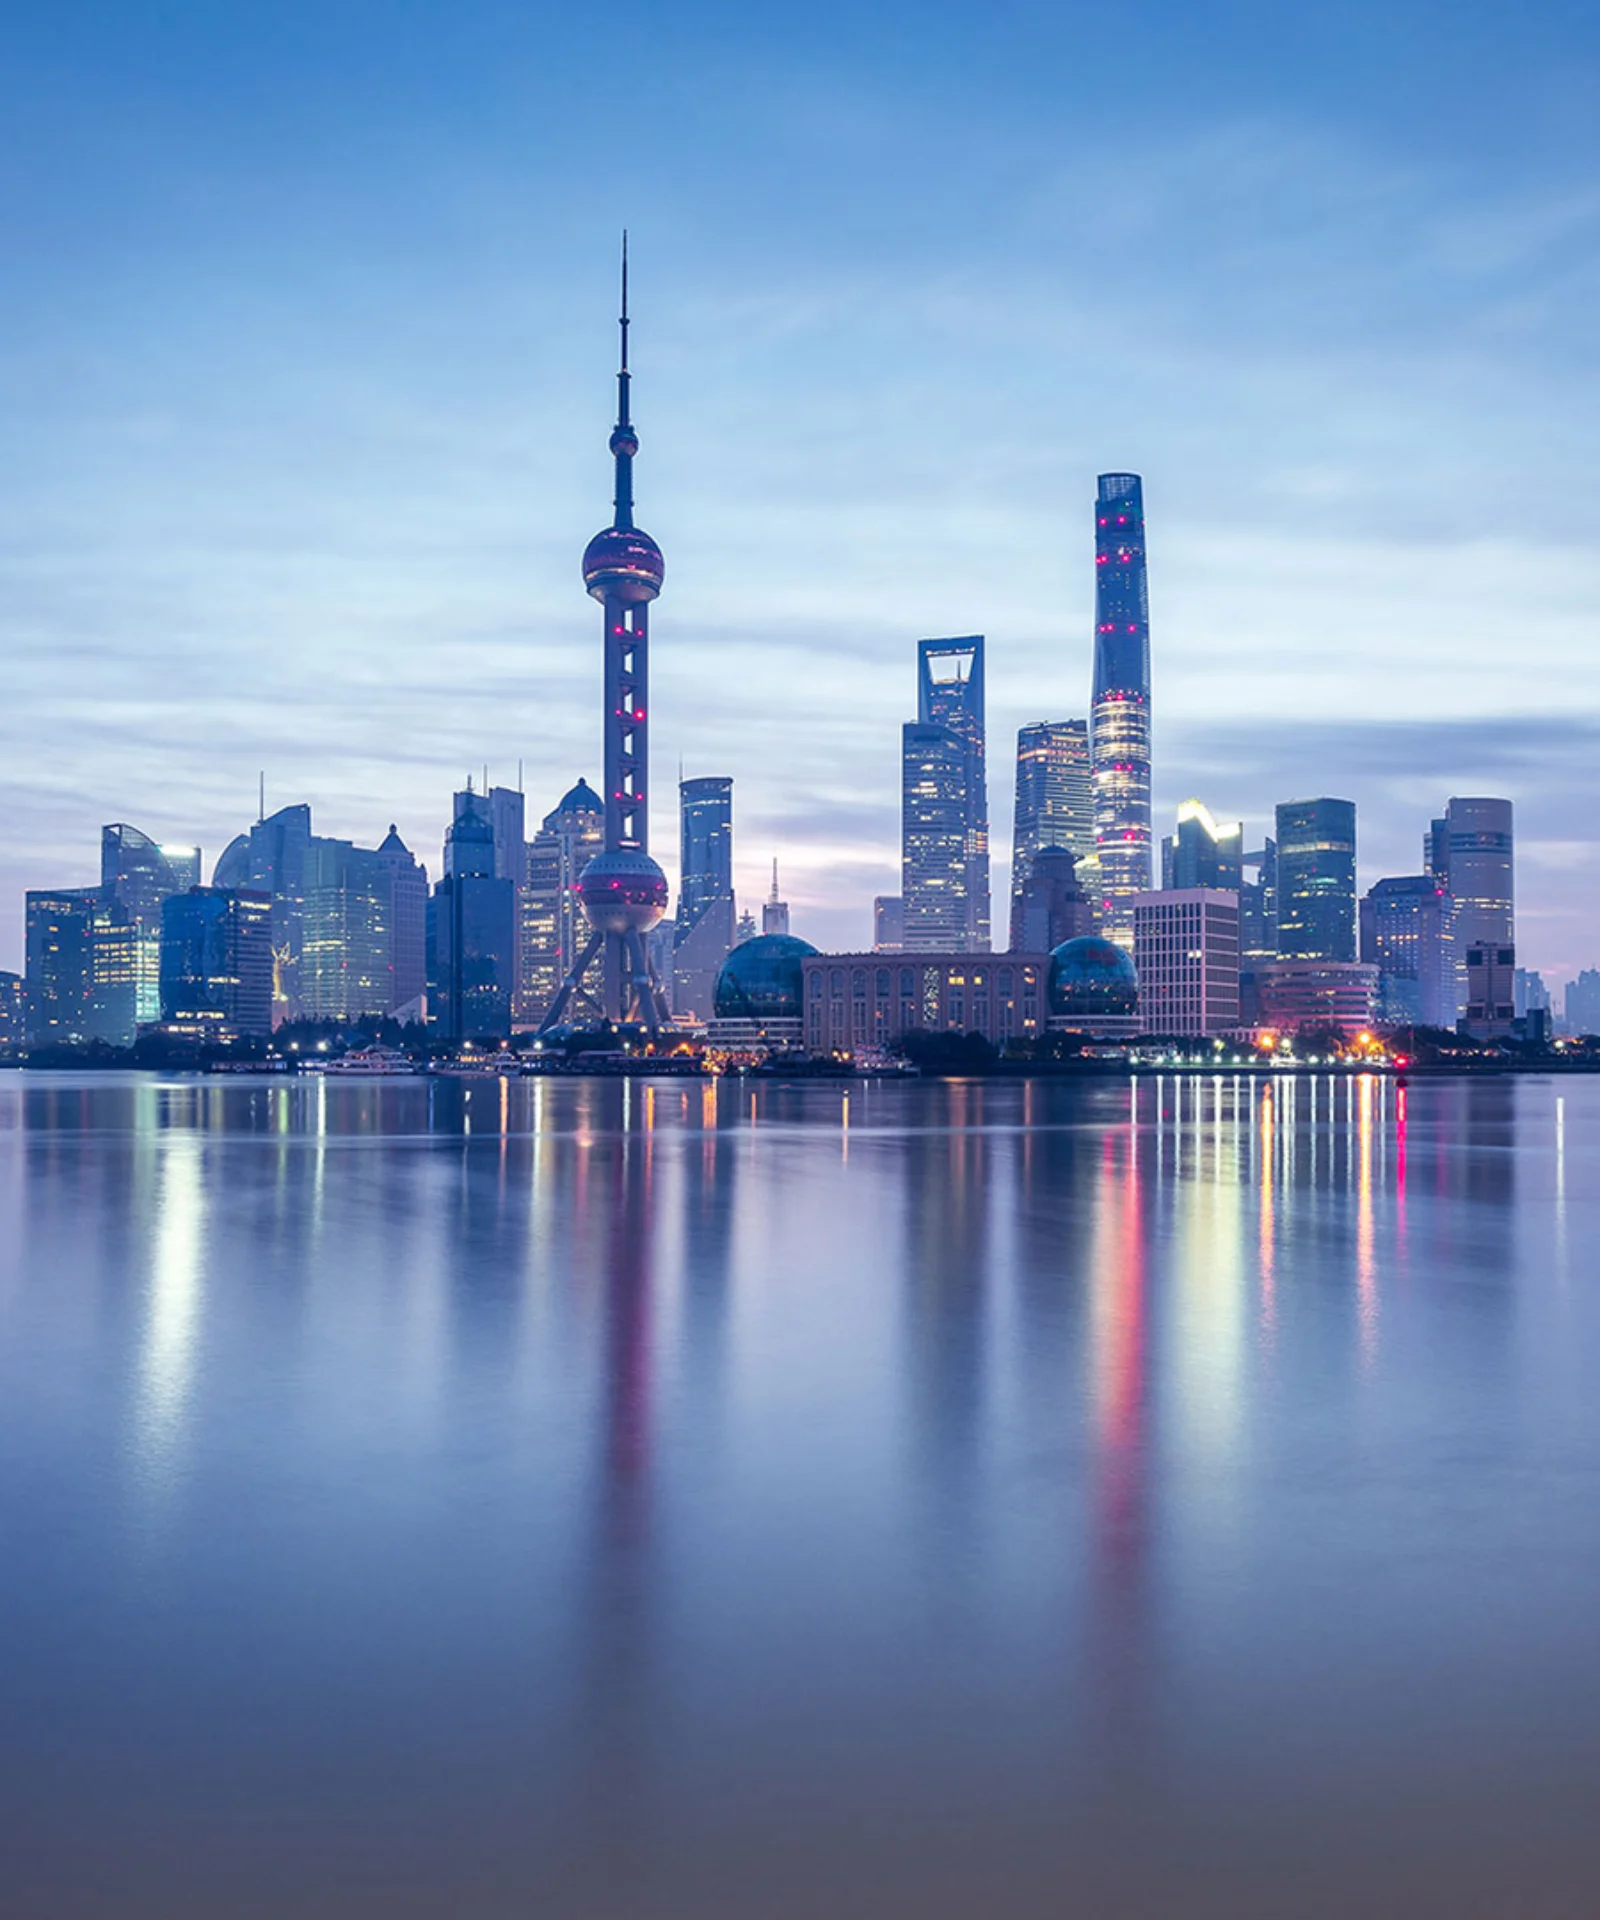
x=591 y=1499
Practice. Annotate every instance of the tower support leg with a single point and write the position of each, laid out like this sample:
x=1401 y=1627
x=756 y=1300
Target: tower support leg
x=558 y=1006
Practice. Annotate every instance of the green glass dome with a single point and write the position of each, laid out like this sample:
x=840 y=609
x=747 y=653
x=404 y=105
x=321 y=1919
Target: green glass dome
x=1092 y=978
x=762 y=980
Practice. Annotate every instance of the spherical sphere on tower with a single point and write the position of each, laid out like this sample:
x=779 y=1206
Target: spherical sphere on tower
x=1092 y=978
x=762 y=979
x=623 y=892
x=621 y=563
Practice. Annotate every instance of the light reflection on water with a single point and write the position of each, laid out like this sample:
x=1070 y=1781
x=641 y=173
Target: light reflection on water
x=629 y=1498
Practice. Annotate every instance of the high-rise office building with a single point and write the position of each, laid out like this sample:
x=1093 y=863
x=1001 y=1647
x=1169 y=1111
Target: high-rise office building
x=1408 y=934
x=140 y=874
x=1119 y=715
x=1202 y=852
x=408 y=927
x=1317 y=880
x=1054 y=802
x=216 y=963
x=624 y=891
x=471 y=932
x=774 y=912
x=888 y=923
x=944 y=820
x=1053 y=906
x=1258 y=904
x=706 y=922
x=1479 y=862
x=553 y=930
x=270 y=858
x=83 y=968
x=1186 y=954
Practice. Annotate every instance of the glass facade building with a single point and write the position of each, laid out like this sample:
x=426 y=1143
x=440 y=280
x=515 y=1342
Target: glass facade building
x=552 y=928
x=1054 y=801
x=270 y=858
x=216 y=963
x=944 y=817
x=1202 y=852
x=471 y=933
x=83 y=968
x=706 y=929
x=140 y=874
x=1119 y=715
x=1408 y=934
x=1316 y=880
x=1479 y=860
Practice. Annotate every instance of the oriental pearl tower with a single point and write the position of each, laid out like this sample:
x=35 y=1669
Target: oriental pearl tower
x=624 y=892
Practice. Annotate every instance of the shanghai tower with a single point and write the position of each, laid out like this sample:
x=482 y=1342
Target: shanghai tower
x=1119 y=714
x=624 y=892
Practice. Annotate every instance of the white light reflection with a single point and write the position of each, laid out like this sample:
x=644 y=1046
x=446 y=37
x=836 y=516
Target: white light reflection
x=172 y=1312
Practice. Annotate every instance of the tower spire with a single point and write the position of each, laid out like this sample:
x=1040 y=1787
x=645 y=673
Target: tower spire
x=624 y=441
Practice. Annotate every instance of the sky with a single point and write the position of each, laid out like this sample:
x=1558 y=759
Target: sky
x=306 y=358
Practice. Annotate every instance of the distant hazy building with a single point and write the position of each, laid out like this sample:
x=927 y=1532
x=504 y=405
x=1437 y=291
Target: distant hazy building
x=1304 y=995
x=855 y=1000
x=1532 y=995
x=83 y=965
x=408 y=925
x=1479 y=868
x=1054 y=800
x=944 y=811
x=706 y=930
x=1581 y=1006
x=1408 y=934
x=552 y=928
x=1052 y=906
x=1316 y=886
x=1186 y=954
x=216 y=963
x=139 y=874
x=1202 y=852
x=1119 y=716
x=775 y=912
x=888 y=923
x=13 y=1011
x=471 y=933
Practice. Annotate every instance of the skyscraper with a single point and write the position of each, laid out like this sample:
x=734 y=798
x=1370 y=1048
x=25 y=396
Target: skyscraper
x=408 y=926
x=471 y=932
x=139 y=874
x=270 y=858
x=1119 y=715
x=624 y=892
x=553 y=930
x=1186 y=950
x=216 y=963
x=704 y=935
x=1202 y=852
x=888 y=923
x=1582 y=1004
x=944 y=821
x=1317 y=880
x=83 y=961
x=1054 y=803
x=1408 y=934
x=1479 y=853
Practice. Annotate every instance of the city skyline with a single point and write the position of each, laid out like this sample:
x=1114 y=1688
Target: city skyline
x=330 y=486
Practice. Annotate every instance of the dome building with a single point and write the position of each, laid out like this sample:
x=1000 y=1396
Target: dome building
x=760 y=993
x=1093 y=988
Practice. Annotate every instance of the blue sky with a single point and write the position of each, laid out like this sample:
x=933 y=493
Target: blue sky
x=305 y=363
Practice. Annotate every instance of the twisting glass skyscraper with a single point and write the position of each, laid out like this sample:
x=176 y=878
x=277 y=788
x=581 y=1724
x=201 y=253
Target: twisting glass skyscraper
x=1119 y=716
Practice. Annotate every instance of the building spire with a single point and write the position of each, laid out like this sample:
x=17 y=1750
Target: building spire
x=624 y=441
x=774 y=895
